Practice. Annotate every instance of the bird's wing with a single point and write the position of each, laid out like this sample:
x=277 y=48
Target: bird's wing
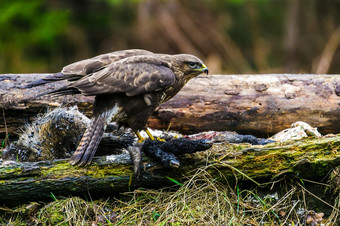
x=132 y=76
x=91 y=65
x=77 y=70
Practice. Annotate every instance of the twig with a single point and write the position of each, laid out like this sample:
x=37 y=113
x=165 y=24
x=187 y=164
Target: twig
x=328 y=52
x=318 y=198
x=239 y=171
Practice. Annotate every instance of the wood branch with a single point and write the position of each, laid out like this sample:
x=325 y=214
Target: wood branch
x=250 y=104
x=253 y=104
x=19 y=107
x=307 y=159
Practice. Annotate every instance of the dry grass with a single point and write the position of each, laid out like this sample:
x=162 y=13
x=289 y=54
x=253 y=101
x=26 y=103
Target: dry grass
x=335 y=215
x=201 y=200
x=68 y=211
x=73 y=211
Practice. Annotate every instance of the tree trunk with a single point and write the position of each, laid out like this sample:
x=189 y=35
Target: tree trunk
x=250 y=104
x=307 y=159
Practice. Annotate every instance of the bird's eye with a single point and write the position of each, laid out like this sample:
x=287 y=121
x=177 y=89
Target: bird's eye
x=192 y=64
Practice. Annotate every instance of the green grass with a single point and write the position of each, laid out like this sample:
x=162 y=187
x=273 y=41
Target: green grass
x=199 y=200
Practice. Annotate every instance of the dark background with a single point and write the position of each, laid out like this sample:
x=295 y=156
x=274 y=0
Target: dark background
x=235 y=36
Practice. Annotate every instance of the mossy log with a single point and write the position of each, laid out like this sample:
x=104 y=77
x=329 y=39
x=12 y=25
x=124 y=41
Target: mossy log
x=310 y=158
x=260 y=105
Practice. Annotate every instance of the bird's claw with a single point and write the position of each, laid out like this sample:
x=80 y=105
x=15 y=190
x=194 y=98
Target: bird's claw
x=141 y=139
x=160 y=139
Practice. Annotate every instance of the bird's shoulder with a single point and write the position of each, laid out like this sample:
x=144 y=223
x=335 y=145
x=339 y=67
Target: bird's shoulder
x=91 y=65
x=132 y=75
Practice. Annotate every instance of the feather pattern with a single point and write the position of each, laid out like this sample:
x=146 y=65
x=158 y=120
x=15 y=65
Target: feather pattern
x=91 y=65
x=89 y=143
x=127 y=76
x=128 y=86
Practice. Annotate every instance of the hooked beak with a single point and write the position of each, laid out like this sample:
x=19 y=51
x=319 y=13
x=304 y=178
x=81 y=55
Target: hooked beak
x=204 y=69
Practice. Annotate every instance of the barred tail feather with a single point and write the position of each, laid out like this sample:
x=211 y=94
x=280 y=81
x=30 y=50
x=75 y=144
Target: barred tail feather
x=103 y=112
x=93 y=145
x=84 y=142
x=89 y=142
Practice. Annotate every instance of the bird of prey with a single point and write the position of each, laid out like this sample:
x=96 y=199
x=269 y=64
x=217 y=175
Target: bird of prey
x=128 y=85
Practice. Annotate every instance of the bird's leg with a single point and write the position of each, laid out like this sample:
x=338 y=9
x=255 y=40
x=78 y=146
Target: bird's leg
x=140 y=138
x=149 y=134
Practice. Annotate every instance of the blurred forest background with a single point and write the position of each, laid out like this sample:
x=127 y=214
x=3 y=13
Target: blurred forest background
x=232 y=36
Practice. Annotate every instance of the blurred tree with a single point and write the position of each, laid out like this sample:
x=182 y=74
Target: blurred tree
x=233 y=36
x=29 y=35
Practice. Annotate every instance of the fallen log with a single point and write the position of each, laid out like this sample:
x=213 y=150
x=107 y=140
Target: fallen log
x=250 y=104
x=107 y=175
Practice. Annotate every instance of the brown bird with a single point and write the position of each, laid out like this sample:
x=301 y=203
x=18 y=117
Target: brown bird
x=128 y=85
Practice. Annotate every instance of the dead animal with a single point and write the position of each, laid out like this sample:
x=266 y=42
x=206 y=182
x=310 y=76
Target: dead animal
x=51 y=136
x=56 y=134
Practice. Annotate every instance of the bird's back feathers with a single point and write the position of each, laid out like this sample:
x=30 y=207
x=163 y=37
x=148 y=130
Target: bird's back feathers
x=128 y=84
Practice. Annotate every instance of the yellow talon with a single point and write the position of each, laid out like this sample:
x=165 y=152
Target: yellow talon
x=160 y=139
x=152 y=138
x=141 y=139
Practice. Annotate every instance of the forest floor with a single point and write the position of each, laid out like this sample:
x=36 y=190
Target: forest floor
x=201 y=199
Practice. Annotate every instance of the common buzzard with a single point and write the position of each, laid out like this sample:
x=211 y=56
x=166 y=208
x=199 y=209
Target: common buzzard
x=128 y=85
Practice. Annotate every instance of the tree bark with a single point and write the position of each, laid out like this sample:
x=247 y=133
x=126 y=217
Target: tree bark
x=307 y=159
x=260 y=105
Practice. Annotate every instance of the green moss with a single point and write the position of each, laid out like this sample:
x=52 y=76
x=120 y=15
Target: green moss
x=11 y=171
x=64 y=169
x=275 y=159
x=56 y=217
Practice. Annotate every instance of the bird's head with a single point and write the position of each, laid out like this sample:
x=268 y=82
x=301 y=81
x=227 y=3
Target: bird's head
x=190 y=65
